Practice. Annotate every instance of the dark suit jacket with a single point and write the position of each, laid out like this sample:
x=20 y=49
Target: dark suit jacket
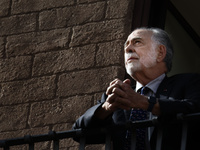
x=176 y=94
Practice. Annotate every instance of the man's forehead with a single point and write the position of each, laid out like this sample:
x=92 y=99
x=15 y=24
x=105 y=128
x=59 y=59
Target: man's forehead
x=140 y=33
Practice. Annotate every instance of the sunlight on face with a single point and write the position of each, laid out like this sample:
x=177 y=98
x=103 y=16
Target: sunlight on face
x=140 y=52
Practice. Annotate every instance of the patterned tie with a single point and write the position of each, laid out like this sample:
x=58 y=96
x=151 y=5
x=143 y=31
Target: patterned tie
x=138 y=114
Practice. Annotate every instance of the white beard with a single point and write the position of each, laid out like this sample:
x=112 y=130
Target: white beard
x=143 y=62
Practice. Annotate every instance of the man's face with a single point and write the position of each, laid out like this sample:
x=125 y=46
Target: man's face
x=140 y=52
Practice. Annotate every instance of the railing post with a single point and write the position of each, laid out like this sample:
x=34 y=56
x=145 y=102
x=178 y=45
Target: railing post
x=159 y=138
x=53 y=136
x=56 y=144
x=4 y=146
x=184 y=135
x=82 y=143
x=31 y=146
x=108 y=143
x=133 y=139
x=28 y=139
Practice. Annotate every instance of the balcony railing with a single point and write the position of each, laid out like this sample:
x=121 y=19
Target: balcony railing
x=80 y=133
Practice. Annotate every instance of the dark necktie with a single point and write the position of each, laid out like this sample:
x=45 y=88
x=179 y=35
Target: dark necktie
x=138 y=114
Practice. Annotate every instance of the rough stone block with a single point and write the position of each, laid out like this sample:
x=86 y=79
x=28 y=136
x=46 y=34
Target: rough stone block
x=70 y=16
x=17 y=24
x=22 y=132
x=13 y=117
x=110 y=53
x=23 y=6
x=95 y=146
x=86 y=1
x=19 y=147
x=2 y=47
x=60 y=61
x=4 y=7
x=35 y=89
x=83 y=13
x=62 y=127
x=117 y=9
x=74 y=148
x=51 y=19
x=67 y=143
x=15 y=68
x=99 y=32
x=88 y=81
x=58 y=110
x=31 y=43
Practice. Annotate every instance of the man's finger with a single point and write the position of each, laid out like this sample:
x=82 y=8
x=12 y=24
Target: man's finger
x=111 y=83
x=127 y=81
x=119 y=92
x=117 y=84
x=111 y=98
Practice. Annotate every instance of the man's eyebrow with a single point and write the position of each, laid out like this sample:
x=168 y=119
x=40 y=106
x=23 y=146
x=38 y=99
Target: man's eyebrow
x=133 y=39
x=136 y=38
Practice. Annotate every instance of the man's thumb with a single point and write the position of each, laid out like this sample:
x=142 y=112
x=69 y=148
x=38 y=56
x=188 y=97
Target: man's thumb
x=127 y=81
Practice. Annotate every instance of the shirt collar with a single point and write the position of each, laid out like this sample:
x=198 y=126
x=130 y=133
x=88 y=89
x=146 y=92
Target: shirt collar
x=153 y=85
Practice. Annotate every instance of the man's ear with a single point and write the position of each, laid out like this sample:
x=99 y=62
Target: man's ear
x=161 y=49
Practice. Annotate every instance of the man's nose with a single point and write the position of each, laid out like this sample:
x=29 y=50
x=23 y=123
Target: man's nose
x=129 y=49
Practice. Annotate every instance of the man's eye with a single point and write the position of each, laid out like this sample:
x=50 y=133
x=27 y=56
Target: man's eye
x=136 y=42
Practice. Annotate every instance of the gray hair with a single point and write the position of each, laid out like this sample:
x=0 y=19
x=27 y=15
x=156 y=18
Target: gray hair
x=161 y=37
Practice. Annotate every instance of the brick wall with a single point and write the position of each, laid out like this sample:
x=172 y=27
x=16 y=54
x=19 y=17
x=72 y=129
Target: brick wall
x=56 y=59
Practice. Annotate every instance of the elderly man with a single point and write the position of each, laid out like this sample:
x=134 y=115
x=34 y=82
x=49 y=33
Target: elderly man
x=148 y=56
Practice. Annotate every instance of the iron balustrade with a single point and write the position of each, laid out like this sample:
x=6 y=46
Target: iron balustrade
x=82 y=133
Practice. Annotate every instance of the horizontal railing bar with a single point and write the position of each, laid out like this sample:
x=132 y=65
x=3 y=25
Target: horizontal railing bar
x=27 y=139
x=188 y=117
x=41 y=138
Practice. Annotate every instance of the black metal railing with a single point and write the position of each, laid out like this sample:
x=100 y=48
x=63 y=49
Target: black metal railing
x=56 y=136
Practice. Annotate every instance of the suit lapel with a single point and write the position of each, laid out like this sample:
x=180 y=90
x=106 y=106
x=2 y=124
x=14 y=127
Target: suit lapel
x=163 y=90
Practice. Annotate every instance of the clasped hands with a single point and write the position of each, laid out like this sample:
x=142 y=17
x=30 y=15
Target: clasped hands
x=121 y=95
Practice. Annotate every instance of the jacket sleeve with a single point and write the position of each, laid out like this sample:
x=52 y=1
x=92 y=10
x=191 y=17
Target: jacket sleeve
x=184 y=96
x=88 y=120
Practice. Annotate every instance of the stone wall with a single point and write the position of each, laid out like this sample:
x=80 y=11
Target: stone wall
x=56 y=59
